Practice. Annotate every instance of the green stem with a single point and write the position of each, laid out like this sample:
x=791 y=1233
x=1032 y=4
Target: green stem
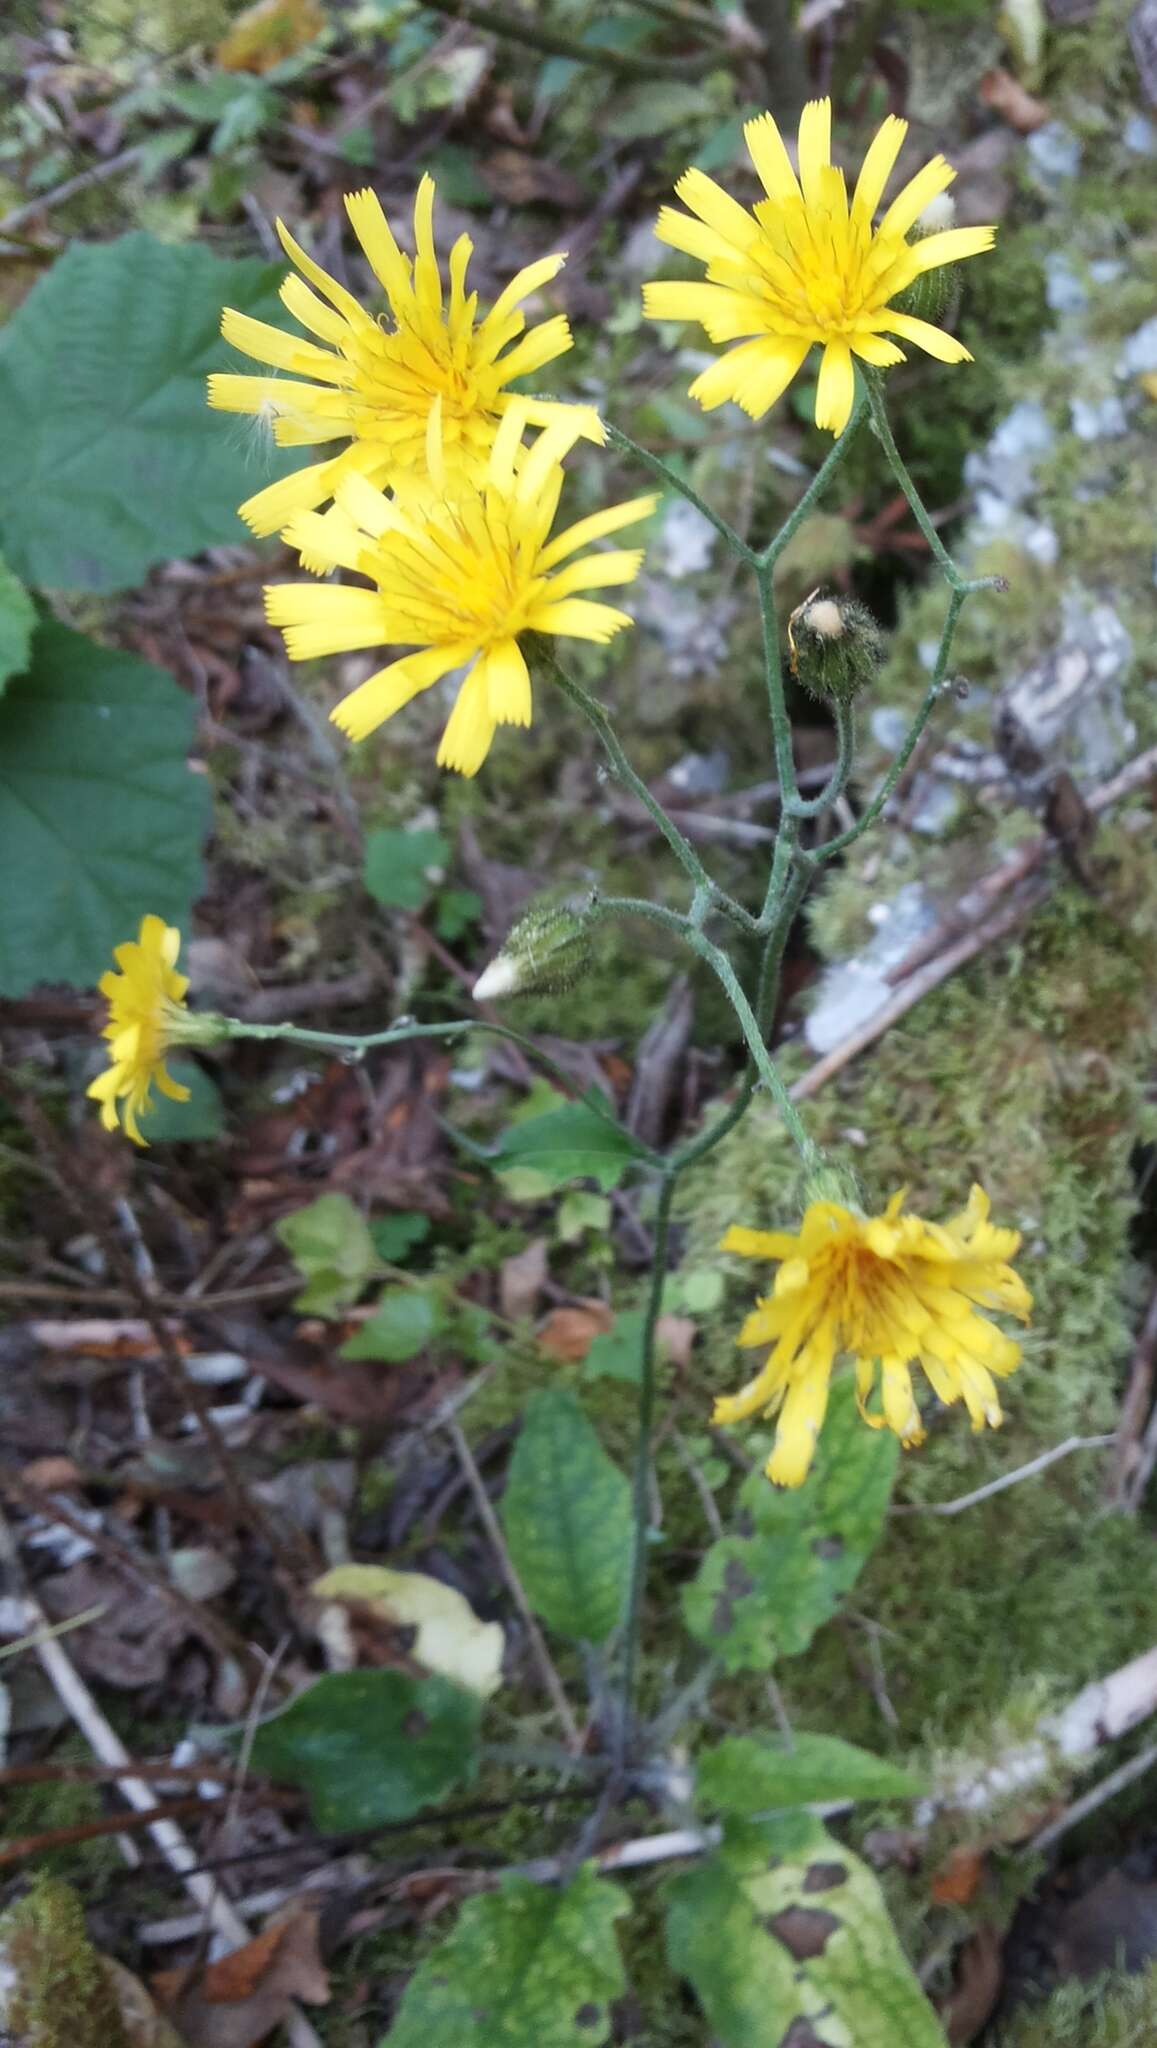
x=641 y=1483
x=597 y=718
x=749 y=1024
x=776 y=700
x=674 y=482
x=812 y=806
x=356 y=1044
x=883 y=431
x=833 y=460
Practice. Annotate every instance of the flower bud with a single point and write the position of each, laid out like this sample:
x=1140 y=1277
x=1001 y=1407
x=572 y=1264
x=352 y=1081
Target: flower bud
x=931 y=295
x=836 y=646
x=833 y=1183
x=195 y=1027
x=546 y=953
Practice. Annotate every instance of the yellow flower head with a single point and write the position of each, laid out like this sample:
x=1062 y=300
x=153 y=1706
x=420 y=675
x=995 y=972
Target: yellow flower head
x=893 y=1291
x=146 y=1011
x=457 y=579
x=807 y=267
x=377 y=386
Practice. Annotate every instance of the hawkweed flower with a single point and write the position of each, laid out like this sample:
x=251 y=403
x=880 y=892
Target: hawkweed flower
x=891 y=1290
x=146 y=1017
x=806 y=267
x=438 y=373
x=458 y=579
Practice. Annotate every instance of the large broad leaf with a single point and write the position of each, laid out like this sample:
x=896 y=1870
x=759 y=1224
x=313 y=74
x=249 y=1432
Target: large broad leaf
x=17 y=624
x=100 y=818
x=786 y=1939
x=744 y=1774
x=110 y=459
x=572 y=1142
x=763 y=1594
x=530 y=1967
x=370 y=1746
x=567 y=1516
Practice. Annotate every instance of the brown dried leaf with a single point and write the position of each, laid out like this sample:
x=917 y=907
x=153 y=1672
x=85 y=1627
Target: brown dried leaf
x=266 y=33
x=676 y=1336
x=1009 y=98
x=531 y=180
x=568 y=1333
x=957 y=1880
x=237 y=2001
x=979 y=1975
x=520 y=1281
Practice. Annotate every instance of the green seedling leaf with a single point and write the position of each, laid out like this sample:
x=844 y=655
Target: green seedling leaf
x=528 y=1967
x=571 y=1142
x=109 y=459
x=17 y=624
x=100 y=818
x=370 y=1746
x=201 y=1117
x=743 y=1774
x=580 y=1211
x=617 y=1354
x=567 y=1516
x=333 y=1251
x=395 y=1235
x=402 y=1325
x=763 y=1594
x=402 y=868
x=786 y=1939
x=457 y=910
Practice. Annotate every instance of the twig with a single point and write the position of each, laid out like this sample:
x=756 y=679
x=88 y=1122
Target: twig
x=1096 y=1796
x=16 y=1849
x=84 y=181
x=489 y=1520
x=1129 y=1458
x=969 y=1500
x=1146 y=1461
x=170 y=1304
x=710 y=1506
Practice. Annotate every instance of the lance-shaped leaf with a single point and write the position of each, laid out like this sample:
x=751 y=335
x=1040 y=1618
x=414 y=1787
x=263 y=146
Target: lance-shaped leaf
x=745 y=1774
x=786 y=1939
x=529 y=1967
x=763 y=1593
x=567 y=1516
x=370 y=1746
x=572 y=1142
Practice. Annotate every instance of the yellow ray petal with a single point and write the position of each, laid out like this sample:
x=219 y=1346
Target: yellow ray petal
x=879 y=164
x=769 y=155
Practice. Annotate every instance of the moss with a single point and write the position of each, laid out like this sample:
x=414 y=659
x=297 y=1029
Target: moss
x=63 y=1997
x=1117 y=2011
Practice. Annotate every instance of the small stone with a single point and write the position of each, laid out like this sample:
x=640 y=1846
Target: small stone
x=1003 y=472
x=935 y=805
x=1054 y=157
x=888 y=725
x=1064 y=291
x=1098 y=419
x=1066 y=709
x=1106 y=269
x=702 y=774
x=851 y=991
x=686 y=540
x=1139 y=135
x=1139 y=354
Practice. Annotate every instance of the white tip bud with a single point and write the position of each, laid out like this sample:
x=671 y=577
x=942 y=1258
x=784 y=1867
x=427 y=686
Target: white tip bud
x=548 y=950
x=501 y=978
x=940 y=213
x=825 y=618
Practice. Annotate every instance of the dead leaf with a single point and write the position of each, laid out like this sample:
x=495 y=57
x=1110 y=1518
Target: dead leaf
x=137 y=1633
x=266 y=33
x=957 y=1880
x=238 y=2000
x=979 y=1975
x=568 y=1333
x=51 y=1475
x=520 y=1281
x=1009 y=98
x=676 y=1336
x=144 y=2025
x=523 y=180
x=444 y=1633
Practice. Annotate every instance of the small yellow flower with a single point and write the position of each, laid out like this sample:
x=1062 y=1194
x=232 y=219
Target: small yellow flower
x=438 y=370
x=457 y=579
x=893 y=1291
x=805 y=267
x=146 y=1016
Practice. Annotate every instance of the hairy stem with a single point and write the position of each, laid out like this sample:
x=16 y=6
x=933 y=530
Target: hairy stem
x=641 y=1483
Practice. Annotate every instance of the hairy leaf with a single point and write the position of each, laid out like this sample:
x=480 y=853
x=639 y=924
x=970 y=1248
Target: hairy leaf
x=567 y=1516
x=528 y=1967
x=370 y=1746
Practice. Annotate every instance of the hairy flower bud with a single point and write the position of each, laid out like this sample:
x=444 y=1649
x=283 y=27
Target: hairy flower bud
x=836 y=646
x=933 y=294
x=832 y=1183
x=546 y=953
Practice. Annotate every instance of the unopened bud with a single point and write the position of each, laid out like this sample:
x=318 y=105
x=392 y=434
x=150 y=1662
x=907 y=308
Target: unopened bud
x=195 y=1027
x=836 y=646
x=832 y=1183
x=931 y=295
x=546 y=953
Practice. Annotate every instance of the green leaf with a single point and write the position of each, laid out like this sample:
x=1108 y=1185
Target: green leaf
x=110 y=459
x=567 y=1516
x=100 y=819
x=333 y=1251
x=17 y=624
x=527 y=1967
x=764 y=1594
x=370 y=1746
x=743 y=1774
x=457 y=910
x=398 y=866
x=616 y=1354
x=786 y=1939
x=402 y=1325
x=398 y=1233
x=572 y=1142
x=202 y=1116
